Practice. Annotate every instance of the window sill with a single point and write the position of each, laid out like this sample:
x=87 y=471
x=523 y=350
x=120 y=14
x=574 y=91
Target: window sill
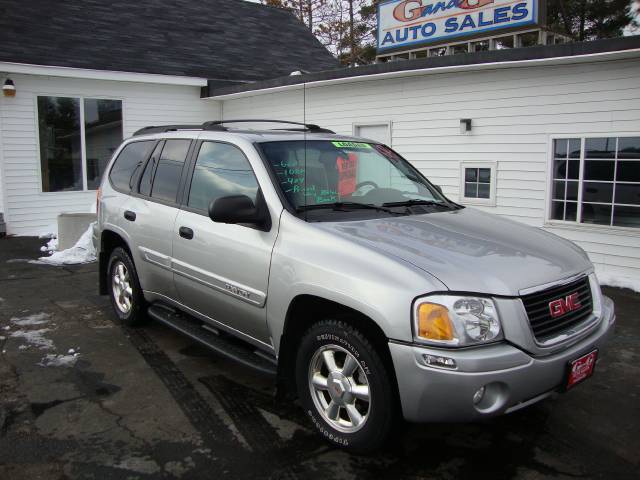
x=622 y=231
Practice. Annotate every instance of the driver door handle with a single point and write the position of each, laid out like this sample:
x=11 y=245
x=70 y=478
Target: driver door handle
x=186 y=232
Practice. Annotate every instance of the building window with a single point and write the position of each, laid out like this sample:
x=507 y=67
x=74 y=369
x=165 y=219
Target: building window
x=478 y=183
x=77 y=138
x=596 y=181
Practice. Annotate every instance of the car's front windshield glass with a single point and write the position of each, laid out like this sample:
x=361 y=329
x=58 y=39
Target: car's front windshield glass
x=322 y=173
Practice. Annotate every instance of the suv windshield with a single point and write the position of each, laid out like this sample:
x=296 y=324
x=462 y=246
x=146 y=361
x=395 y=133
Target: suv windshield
x=345 y=176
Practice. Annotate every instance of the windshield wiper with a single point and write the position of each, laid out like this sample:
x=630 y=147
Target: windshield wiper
x=346 y=206
x=415 y=201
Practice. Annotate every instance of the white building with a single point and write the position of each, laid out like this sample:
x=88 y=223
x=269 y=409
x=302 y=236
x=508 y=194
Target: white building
x=554 y=138
x=534 y=113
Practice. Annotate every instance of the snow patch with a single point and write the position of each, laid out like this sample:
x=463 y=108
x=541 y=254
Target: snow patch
x=35 y=338
x=35 y=319
x=82 y=252
x=52 y=360
x=51 y=246
x=620 y=281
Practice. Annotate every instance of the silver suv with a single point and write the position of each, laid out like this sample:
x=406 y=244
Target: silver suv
x=334 y=264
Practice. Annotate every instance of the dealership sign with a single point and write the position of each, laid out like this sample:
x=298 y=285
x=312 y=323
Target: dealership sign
x=403 y=23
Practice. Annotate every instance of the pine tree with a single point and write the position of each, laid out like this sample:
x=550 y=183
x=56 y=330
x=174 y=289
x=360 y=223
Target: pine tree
x=590 y=19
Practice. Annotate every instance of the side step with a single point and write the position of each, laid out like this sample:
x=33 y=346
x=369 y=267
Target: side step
x=205 y=335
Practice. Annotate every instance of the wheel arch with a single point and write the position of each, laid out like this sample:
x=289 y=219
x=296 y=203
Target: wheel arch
x=109 y=241
x=305 y=310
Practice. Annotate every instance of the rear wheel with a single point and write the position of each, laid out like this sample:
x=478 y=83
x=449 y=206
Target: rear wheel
x=344 y=386
x=124 y=288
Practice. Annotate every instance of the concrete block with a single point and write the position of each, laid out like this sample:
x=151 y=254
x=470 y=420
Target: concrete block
x=71 y=226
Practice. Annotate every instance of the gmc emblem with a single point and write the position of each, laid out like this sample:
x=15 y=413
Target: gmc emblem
x=562 y=306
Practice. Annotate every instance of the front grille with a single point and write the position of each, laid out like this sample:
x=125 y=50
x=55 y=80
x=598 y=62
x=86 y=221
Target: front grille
x=545 y=326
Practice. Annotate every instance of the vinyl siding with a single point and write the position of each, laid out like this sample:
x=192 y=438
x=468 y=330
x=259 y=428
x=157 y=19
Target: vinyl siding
x=514 y=112
x=27 y=210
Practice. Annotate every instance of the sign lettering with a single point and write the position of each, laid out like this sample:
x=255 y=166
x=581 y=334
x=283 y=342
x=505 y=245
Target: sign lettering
x=420 y=22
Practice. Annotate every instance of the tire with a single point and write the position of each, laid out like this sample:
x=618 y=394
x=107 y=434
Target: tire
x=130 y=307
x=365 y=429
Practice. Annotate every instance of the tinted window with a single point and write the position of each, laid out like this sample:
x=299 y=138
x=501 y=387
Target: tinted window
x=60 y=144
x=220 y=170
x=147 y=176
x=167 y=177
x=128 y=162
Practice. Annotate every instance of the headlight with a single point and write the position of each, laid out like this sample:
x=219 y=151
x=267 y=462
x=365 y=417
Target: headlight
x=450 y=320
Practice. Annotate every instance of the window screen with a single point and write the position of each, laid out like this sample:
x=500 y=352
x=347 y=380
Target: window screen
x=220 y=170
x=131 y=158
x=167 y=177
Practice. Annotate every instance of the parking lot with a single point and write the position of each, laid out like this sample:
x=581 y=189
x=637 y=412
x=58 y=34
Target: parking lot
x=83 y=397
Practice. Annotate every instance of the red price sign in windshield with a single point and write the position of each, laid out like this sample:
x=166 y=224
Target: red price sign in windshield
x=347 y=170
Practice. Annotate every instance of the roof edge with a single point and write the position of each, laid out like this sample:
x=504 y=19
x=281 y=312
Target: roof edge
x=548 y=54
x=90 y=74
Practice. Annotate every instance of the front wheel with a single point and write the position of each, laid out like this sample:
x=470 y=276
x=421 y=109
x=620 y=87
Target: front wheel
x=344 y=386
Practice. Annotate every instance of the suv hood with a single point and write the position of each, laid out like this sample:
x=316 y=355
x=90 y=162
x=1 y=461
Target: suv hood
x=469 y=250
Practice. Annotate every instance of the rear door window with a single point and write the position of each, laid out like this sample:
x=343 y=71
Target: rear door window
x=167 y=176
x=130 y=160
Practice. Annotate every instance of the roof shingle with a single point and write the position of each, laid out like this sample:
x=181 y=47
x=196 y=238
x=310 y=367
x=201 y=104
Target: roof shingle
x=216 y=39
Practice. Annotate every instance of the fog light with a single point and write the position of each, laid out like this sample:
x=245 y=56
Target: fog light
x=440 y=362
x=478 y=396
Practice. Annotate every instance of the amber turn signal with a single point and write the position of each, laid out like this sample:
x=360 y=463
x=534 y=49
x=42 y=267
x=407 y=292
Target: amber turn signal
x=434 y=322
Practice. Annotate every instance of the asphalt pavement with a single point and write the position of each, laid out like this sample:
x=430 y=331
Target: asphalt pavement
x=81 y=396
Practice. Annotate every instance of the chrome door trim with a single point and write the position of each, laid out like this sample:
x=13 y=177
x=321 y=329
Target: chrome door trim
x=155 y=258
x=220 y=284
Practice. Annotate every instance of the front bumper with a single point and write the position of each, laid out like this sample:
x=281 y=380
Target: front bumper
x=515 y=378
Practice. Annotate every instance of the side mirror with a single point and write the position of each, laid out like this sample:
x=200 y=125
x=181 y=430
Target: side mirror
x=239 y=209
x=438 y=188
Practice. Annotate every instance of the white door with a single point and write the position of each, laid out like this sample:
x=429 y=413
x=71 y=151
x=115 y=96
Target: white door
x=378 y=132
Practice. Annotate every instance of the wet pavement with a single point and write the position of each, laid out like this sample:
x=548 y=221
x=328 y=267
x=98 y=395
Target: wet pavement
x=83 y=397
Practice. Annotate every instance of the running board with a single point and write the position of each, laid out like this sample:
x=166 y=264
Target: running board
x=201 y=333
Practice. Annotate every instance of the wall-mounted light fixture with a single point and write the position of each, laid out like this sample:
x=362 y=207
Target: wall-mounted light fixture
x=465 y=125
x=9 y=89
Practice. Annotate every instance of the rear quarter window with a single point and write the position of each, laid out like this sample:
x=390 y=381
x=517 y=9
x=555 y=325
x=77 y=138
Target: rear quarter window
x=130 y=160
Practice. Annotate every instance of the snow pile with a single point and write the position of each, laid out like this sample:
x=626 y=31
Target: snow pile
x=612 y=280
x=35 y=338
x=82 y=252
x=52 y=360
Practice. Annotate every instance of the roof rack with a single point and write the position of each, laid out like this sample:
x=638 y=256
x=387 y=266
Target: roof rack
x=218 y=125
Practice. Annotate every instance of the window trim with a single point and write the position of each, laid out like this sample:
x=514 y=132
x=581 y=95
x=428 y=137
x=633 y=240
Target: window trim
x=83 y=151
x=487 y=202
x=593 y=227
